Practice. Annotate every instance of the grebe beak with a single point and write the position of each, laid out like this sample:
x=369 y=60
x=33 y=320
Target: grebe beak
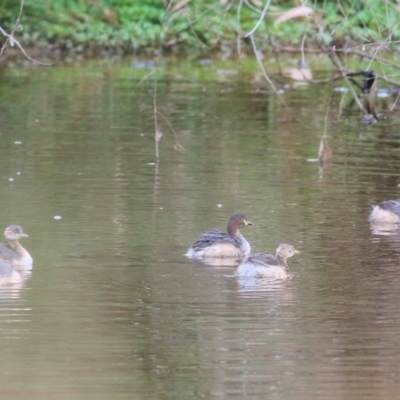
x=248 y=223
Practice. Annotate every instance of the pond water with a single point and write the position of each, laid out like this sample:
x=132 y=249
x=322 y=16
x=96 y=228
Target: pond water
x=112 y=309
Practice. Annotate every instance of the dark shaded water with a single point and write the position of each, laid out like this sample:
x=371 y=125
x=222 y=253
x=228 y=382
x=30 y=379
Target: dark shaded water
x=114 y=310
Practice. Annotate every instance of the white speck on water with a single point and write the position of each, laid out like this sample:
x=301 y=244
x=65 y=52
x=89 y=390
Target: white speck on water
x=312 y=159
x=17 y=142
x=161 y=208
x=151 y=163
x=219 y=205
x=18 y=173
x=11 y=179
x=57 y=217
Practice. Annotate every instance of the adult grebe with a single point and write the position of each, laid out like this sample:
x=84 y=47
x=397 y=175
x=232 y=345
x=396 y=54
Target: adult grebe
x=217 y=244
x=386 y=211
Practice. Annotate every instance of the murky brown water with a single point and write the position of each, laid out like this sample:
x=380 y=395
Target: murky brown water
x=114 y=310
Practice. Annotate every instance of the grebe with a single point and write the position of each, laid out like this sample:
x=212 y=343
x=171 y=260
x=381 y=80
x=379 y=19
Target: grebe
x=267 y=265
x=12 y=251
x=387 y=212
x=217 y=244
x=8 y=275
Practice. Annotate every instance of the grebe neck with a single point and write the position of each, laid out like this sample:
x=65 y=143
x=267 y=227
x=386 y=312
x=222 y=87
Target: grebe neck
x=233 y=230
x=15 y=245
x=245 y=244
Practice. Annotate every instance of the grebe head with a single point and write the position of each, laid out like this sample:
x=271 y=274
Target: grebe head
x=14 y=232
x=286 y=250
x=238 y=221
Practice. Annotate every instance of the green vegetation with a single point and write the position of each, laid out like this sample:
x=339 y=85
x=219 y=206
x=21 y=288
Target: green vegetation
x=195 y=25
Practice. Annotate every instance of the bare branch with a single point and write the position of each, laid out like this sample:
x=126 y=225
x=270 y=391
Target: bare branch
x=264 y=11
x=260 y=64
x=11 y=38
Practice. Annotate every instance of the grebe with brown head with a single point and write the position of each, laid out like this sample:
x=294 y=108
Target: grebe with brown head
x=12 y=251
x=267 y=265
x=217 y=244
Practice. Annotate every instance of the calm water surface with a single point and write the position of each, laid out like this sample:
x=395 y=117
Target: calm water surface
x=112 y=308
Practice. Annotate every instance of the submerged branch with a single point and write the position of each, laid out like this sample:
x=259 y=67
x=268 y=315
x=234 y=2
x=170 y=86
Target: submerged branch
x=177 y=146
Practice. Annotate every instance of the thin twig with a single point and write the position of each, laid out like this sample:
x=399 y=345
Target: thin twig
x=326 y=118
x=156 y=129
x=336 y=61
x=12 y=40
x=18 y=18
x=395 y=102
x=147 y=76
x=302 y=51
x=238 y=41
x=252 y=7
x=260 y=64
x=172 y=129
x=10 y=37
x=260 y=20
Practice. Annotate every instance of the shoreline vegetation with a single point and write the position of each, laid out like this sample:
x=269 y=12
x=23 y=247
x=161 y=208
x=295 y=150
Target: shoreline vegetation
x=349 y=33
x=228 y=27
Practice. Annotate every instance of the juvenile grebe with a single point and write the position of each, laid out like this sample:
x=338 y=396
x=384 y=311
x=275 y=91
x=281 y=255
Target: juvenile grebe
x=267 y=265
x=387 y=212
x=217 y=244
x=12 y=251
x=8 y=275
